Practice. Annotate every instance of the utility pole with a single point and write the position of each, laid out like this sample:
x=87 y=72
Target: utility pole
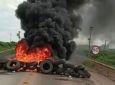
x=10 y=37
x=105 y=45
x=90 y=37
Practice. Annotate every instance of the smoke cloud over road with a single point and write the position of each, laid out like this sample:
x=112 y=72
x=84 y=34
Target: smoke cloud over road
x=51 y=22
x=101 y=15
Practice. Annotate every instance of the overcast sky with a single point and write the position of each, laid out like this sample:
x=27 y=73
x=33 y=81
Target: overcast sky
x=9 y=24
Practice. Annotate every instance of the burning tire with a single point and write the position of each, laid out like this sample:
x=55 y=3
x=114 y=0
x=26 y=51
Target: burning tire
x=12 y=65
x=46 y=67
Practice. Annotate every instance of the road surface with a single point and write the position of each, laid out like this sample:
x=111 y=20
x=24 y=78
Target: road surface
x=31 y=78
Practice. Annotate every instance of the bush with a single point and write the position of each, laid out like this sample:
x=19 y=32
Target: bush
x=6 y=45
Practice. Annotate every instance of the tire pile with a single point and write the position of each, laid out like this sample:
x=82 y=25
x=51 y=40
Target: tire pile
x=66 y=69
x=59 y=67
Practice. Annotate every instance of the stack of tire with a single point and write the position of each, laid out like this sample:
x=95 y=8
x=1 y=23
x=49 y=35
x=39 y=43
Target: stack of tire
x=62 y=68
x=12 y=65
x=58 y=67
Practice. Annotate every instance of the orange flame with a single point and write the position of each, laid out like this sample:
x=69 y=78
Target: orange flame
x=24 y=54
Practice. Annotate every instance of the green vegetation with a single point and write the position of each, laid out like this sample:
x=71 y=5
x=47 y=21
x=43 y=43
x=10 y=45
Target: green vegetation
x=11 y=51
x=106 y=57
x=6 y=45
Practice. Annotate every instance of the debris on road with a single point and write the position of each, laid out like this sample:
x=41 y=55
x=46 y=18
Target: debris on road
x=48 y=66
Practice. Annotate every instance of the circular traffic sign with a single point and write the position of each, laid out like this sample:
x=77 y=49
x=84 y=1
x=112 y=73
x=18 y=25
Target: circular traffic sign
x=95 y=50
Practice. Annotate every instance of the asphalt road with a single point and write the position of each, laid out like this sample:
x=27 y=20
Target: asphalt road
x=31 y=78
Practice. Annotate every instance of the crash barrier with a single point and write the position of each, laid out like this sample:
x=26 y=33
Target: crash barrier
x=103 y=69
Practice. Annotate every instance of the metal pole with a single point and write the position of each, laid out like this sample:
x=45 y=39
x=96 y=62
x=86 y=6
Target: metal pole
x=90 y=37
x=10 y=37
x=105 y=45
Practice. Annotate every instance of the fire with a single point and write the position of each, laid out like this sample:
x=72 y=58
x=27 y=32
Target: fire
x=24 y=54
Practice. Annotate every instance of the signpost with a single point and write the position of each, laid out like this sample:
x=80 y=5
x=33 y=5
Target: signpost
x=95 y=50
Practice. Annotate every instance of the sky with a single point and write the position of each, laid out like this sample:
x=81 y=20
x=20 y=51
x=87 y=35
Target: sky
x=9 y=24
x=99 y=14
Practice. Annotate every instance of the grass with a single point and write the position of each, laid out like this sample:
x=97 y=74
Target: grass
x=7 y=48
x=6 y=45
x=11 y=51
x=106 y=57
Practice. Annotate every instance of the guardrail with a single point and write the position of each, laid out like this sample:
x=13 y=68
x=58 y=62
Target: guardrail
x=103 y=69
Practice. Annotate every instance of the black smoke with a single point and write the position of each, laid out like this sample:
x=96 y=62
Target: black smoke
x=50 y=22
x=99 y=14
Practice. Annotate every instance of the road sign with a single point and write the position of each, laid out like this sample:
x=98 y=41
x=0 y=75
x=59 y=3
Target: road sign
x=95 y=50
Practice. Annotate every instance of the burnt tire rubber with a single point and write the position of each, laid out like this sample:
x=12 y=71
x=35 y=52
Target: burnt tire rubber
x=84 y=74
x=87 y=74
x=76 y=69
x=60 y=71
x=58 y=62
x=67 y=65
x=10 y=67
x=46 y=67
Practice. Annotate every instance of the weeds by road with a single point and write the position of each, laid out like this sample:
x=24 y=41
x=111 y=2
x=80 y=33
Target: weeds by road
x=6 y=45
x=106 y=57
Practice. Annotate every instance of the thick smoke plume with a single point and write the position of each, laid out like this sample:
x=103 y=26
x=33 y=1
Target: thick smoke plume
x=50 y=22
x=101 y=15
